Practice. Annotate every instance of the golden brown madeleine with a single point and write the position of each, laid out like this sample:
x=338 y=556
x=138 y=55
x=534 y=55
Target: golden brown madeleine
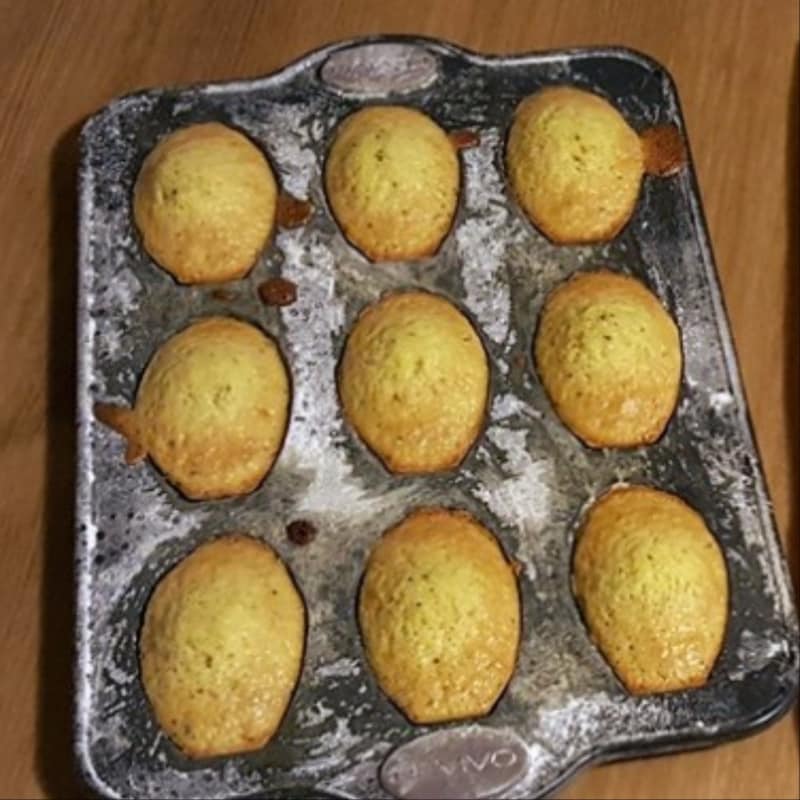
x=204 y=203
x=211 y=410
x=575 y=165
x=392 y=180
x=609 y=357
x=414 y=382
x=653 y=587
x=222 y=646
x=440 y=617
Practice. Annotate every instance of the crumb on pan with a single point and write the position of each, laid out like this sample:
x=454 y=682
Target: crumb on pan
x=301 y=532
x=277 y=292
x=223 y=295
x=122 y=420
x=292 y=212
x=664 y=150
x=465 y=138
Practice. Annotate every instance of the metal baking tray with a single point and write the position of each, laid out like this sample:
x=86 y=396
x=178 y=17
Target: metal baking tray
x=527 y=479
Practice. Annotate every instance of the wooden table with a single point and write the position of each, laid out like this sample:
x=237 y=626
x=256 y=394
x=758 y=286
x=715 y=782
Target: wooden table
x=736 y=65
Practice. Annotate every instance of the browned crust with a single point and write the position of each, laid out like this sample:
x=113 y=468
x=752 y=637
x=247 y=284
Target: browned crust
x=377 y=255
x=607 y=234
x=123 y=420
x=240 y=489
x=410 y=467
x=187 y=277
x=664 y=150
x=651 y=436
x=637 y=687
x=648 y=437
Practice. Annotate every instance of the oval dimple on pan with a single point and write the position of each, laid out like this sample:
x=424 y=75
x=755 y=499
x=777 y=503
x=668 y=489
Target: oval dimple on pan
x=380 y=69
x=525 y=479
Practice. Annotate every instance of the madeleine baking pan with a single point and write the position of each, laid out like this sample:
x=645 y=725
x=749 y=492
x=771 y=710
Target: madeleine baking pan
x=528 y=479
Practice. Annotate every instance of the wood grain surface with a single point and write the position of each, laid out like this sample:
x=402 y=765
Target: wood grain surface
x=735 y=63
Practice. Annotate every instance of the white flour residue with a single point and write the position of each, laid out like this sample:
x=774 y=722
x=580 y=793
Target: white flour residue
x=755 y=652
x=719 y=401
x=722 y=458
x=482 y=239
x=115 y=731
x=115 y=673
x=599 y=720
x=330 y=750
x=123 y=289
x=312 y=716
x=120 y=290
x=779 y=592
x=341 y=668
x=732 y=554
x=509 y=405
x=217 y=781
x=331 y=484
x=112 y=340
x=188 y=103
x=155 y=745
x=337 y=740
x=686 y=404
x=351 y=782
x=288 y=142
x=701 y=364
x=543 y=767
x=159 y=522
x=723 y=464
x=572 y=727
x=521 y=492
x=311 y=322
x=481 y=251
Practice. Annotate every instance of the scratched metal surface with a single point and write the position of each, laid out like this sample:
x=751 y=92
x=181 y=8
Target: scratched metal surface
x=527 y=478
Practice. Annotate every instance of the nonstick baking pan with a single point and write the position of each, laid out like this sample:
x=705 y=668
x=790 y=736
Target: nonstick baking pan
x=528 y=479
